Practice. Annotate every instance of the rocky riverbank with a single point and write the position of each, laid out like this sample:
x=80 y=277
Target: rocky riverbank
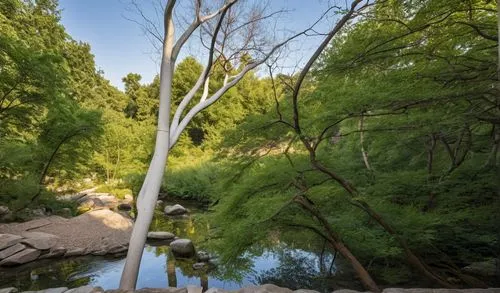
x=96 y=232
x=268 y=288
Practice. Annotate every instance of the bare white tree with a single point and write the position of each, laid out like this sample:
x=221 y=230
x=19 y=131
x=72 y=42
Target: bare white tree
x=229 y=33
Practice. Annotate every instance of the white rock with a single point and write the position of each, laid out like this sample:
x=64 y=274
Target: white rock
x=175 y=210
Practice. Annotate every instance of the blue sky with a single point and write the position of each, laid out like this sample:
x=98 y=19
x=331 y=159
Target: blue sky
x=120 y=46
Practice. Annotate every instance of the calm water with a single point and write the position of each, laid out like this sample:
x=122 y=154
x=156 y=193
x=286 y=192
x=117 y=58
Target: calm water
x=281 y=266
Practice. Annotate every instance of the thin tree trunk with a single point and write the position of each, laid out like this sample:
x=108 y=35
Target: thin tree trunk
x=361 y=142
x=337 y=243
x=411 y=257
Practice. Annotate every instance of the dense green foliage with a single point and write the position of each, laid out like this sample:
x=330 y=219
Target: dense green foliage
x=403 y=105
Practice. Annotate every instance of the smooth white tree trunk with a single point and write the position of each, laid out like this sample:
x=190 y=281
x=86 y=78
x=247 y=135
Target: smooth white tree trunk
x=148 y=195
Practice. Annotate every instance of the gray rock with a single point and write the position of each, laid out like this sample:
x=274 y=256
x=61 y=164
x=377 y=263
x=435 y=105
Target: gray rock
x=84 y=289
x=54 y=252
x=216 y=290
x=267 y=288
x=194 y=289
x=124 y=207
x=99 y=252
x=305 y=291
x=159 y=203
x=175 y=210
x=39 y=240
x=182 y=248
x=199 y=265
x=11 y=250
x=24 y=256
x=75 y=252
x=66 y=212
x=117 y=249
x=7 y=240
x=51 y=290
x=39 y=213
x=486 y=268
x=159 y=235
x=4 y=210
x=154 y=290
x=9 y=290
x=202 y=256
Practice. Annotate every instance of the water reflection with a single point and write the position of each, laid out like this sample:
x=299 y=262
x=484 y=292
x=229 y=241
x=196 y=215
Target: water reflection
x=281 y=265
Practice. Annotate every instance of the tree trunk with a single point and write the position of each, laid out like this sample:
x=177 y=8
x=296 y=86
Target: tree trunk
x=361 y=142
x=411 y=257
x=148 y=195
x=338 y=245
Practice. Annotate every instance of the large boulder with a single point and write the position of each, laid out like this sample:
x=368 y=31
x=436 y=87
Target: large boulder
x=11 y=250
x=22 y=257
x=39 y=240
x=182 y=248
x=7 y=240
x=158 y=235
x=175 y=210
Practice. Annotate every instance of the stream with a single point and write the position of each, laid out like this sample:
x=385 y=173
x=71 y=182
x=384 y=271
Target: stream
x=281 y=265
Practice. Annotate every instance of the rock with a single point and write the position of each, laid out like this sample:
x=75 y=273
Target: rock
x=99 y=252
x=11 y=250
x=305 y=291
x=33 y=224
x=39 y=213
x=7 y=240
x=158 y=235
x=4 y=210
x=117 y=249
x=486 y=268
x=66 y=212
x=85 y=289
x=154 y=290
x=182 y=248
x=175 y=210
x=199 y=265
x=128 y=198
x=124 y=207
x=24 y=256
x=9 y=290
x=51 y=290
x=39 y=240
x=267 y=288
x=159 y=202
x=75 y=252
x=194 y=289
x=202 y=256
x=55 y=252
x=87 y=204
x=215 y=290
